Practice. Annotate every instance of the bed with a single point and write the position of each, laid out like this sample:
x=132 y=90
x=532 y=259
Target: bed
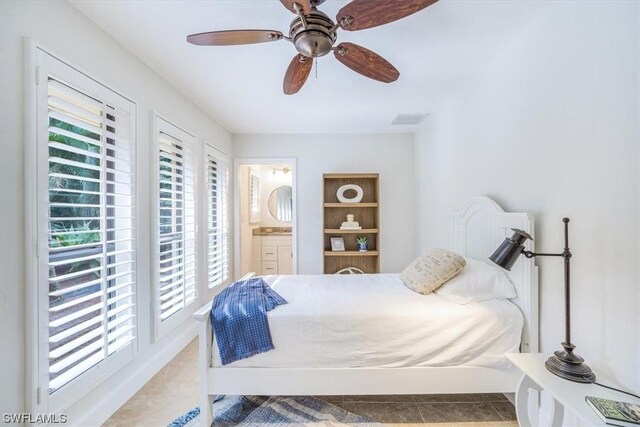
x=378 y=337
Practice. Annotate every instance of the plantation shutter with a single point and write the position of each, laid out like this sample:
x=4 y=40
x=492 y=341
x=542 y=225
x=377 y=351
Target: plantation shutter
x=217 y=219
x=91 y=253
x=254 y=198
x=177 y=284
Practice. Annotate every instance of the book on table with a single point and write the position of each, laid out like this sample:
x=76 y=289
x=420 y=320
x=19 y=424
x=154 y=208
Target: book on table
x=615 y=413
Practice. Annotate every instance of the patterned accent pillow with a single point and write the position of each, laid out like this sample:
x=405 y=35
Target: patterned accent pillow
x=432 y=270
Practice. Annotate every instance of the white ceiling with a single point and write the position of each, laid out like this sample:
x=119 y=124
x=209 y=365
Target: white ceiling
x=437 y=51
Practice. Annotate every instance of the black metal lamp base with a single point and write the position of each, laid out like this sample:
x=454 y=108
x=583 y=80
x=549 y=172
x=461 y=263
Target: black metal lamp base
x=570 y=366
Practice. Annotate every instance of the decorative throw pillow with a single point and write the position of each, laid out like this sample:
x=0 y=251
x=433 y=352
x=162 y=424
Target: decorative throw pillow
x=431 y=270
x=478 y=281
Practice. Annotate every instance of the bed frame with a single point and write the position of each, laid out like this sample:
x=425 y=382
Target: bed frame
x=478 y=228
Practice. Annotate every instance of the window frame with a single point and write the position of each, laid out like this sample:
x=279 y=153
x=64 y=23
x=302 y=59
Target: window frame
x=39 y=65
x=163 y=125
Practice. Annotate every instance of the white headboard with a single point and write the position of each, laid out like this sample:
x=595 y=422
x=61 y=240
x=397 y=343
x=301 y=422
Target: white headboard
x=479 y=226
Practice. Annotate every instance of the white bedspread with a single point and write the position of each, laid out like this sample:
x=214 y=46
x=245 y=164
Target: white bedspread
x=336 y=321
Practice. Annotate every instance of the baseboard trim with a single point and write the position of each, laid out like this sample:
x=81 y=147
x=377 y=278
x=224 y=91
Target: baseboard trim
x=119 y=395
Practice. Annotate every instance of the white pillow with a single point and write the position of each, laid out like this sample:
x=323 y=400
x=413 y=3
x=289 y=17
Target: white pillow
x=478 y=281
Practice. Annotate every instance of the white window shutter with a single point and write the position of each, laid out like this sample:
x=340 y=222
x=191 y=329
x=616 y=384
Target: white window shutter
x=254 y=198
x=218 y=265
x=176 y=233
x=91 y=265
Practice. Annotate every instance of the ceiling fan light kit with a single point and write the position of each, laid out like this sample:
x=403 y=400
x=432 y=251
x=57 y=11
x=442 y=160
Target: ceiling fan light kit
x=314 y=34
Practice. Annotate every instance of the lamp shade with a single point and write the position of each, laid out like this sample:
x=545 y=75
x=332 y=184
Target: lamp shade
x=508 y=252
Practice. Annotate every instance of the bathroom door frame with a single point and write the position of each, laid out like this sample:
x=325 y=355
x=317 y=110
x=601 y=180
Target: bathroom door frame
x=236 y=207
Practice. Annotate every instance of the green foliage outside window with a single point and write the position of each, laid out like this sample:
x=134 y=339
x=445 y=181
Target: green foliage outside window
x=65 y=188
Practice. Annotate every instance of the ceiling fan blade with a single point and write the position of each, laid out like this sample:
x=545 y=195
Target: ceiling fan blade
x=361 y=14
x=297 y=74
x=234 y=37
x=304 y=4
x=365 y=62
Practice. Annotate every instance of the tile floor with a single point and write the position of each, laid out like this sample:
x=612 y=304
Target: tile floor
x=174 y=390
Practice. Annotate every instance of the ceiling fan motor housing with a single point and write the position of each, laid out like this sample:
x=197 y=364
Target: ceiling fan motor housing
x=317 y=38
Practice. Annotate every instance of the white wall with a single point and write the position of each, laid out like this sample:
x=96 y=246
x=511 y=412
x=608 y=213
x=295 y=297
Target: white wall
x=389 y=155
x=71 y=36
x=552 y=128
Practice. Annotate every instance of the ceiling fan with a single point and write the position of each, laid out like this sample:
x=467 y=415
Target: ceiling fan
x=314 y=34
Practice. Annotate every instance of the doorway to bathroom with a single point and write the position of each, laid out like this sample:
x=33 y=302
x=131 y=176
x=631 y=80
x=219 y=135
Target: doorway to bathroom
x=265 y=216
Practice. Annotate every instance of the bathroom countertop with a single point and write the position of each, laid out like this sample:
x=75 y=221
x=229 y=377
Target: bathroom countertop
x=275 y=231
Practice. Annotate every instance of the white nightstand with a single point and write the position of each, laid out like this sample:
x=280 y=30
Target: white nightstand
x=566 y=394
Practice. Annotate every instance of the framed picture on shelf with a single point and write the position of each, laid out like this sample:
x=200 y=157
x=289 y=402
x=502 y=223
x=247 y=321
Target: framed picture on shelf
x=337 y=244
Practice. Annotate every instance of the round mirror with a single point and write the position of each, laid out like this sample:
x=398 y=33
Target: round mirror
x=280 y=203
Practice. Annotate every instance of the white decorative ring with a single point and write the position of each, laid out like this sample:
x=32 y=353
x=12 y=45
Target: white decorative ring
x=356 y=188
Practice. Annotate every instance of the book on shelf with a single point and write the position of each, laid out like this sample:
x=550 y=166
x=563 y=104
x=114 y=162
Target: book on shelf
x=615 y=413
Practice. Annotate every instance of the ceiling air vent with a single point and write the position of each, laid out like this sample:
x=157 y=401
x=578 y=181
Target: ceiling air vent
x=409 y=119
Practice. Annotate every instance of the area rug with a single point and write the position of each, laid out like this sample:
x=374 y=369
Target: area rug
x=274 y=411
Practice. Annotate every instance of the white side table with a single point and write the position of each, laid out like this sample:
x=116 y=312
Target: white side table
x=566 y=394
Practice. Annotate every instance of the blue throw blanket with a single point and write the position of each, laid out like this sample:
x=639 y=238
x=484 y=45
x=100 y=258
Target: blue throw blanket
x=239 y=319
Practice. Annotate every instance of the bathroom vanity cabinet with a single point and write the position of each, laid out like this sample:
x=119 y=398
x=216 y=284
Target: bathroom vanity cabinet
x=272 y=254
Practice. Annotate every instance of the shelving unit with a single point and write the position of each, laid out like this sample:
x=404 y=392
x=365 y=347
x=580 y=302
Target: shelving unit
x=367 y=213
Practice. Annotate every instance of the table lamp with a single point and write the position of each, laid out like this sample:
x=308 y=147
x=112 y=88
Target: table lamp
x=564 y=363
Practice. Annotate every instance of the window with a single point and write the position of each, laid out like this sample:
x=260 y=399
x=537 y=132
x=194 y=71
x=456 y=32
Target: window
x=217 y=218
x=86 y=279
x=254 y=198
x=176 y=282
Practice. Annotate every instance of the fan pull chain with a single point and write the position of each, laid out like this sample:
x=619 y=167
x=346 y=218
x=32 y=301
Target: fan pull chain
x=316 y=68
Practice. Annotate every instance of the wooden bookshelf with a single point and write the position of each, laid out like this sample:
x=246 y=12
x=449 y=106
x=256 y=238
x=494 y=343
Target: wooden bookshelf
x=367 y=213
